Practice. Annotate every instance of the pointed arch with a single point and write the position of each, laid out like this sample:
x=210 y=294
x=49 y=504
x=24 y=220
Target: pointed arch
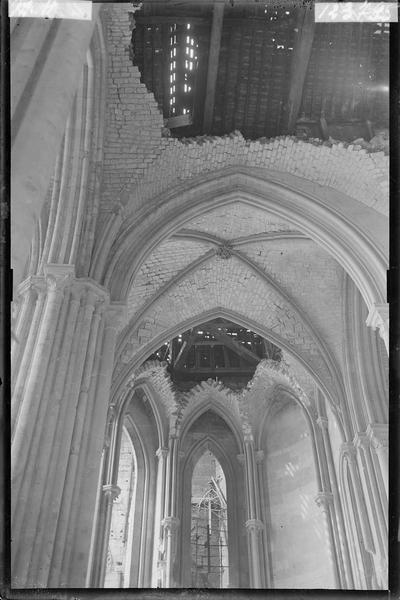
x=324 y=215
x=236 y=513
x=332 y=393
x=220 y=410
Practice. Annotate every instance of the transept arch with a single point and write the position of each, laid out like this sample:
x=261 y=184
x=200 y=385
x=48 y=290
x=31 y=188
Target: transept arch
x=324 y=216
x=121 y=374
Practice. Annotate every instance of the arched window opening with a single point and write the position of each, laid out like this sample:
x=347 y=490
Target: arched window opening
x=209 y=525
x=298 y=538
x=117 y=566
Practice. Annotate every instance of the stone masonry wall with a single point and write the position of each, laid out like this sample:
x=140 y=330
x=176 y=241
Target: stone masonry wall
x=133 y=138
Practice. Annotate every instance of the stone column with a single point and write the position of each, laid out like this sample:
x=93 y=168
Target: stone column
x=26 y=298
x=110 y=492
x=59 y=397
x=324 y=497
x=335 y=509
x=80 y=530
x=52 y=447
x=358 y=512
x=376 y=510
x=378 y=436
x=31 y=423
x=378 y=318
x=171 y=522
x=264 y=511
x=324 y=500
x=254 y=525
x=254 y=528
x=71 y=500
x=170 y=531
x=23 y=350
x=349 y=449
x=158 y=563
x=71 y=426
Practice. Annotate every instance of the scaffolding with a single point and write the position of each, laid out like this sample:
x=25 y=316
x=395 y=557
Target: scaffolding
x=209 y=539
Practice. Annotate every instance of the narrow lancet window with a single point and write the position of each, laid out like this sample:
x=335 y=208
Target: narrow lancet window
x=209 y=526
x=117 y=567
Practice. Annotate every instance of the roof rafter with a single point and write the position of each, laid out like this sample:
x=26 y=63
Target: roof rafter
x=221 y=335
x=299 y=66
x=213 y=62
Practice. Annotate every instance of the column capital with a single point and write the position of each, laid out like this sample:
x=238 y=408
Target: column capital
x=254 y=525
x=57 y=276
x=111 y=491
x=378 y=435
x=378 y=318
x=162 y=452
x=324 y=499
x=170 y=523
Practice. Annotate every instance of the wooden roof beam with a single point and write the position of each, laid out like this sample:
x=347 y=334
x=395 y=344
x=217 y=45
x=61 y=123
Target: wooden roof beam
x=233 y=344
x=213 y=62
x=184 y=351
x=170 y=20
x=299 y=66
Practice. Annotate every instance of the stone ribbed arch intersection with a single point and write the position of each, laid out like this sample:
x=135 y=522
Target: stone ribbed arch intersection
x=235 y=286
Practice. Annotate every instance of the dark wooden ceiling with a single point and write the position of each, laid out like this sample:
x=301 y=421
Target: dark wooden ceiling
x=218 y=348
x=268 y=70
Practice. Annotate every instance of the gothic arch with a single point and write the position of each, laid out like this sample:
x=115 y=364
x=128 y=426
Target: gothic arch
x=241 y=319
x=152 y=396
x=136 y=420
x=290 y=398
x=144 y=512
x=327 y=221
x=217 y=408
x=276 y=507
x=231 y=472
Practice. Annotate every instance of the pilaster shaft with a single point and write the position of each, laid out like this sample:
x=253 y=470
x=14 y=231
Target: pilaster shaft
x=254 y=524
x=86 y=519
x=170 y=528
x=254 y=528
x=379 y=439
x=49 y=425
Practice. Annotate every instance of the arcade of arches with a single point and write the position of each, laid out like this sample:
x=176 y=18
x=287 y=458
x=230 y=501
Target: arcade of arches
x=200 y=348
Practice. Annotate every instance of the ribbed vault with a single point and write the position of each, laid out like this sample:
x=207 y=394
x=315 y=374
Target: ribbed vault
x=245 y=261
